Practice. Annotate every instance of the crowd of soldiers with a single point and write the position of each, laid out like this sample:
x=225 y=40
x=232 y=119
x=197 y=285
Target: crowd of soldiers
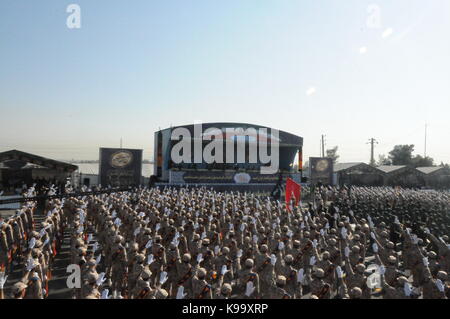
x=196 y=243
x=32 y=251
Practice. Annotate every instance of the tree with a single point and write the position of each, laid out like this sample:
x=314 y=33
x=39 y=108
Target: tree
x=332 y=153
x=383 y=160
x=402 y=155
x=419 y=161
x=445 y=165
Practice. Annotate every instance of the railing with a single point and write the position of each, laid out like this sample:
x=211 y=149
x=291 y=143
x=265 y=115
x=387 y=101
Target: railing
x=59 y=196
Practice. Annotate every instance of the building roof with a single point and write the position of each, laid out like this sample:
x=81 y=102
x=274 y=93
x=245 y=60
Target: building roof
x=430 y=169
x=36 y=160
x=284 y=138
x=344 y=166
x=390 y=168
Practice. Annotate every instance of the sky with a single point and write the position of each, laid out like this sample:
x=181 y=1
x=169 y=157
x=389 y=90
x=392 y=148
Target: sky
x=351 y=70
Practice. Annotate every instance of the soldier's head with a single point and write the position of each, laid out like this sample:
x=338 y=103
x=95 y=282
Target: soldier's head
x=35 y=253
x=226 y=290
x=18 y=291
x=39 y=244
x=196 y=237
x=442 y=275
x=91 y=263
x=225 y=251
x=356 y=249
x=249 y=263
x=432 y=255
x=281 y=281
x=360 y=268
x=201 y=273
x=296 y=244
x=392 y=260
x=81 y=251
x=146 y=274
x=326 y=255
x=365 y=228
x=390 y=245
x=141 y=284
x=161 y=294
x=118 y=239
x=134 y=247
x=205 y=242
x=319 y=273
x=264 y=248
x=333 y=242
x=186 y=258
x=401 y=281
x=355 y=293
x=92 y=279
x=288 y=259
x=140 y=258
x=34 y=233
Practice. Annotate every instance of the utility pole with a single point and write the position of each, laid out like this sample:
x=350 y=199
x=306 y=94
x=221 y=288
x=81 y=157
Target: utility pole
x=323 y=145
x=372 y=143
x=120 y=142
x=425 y=151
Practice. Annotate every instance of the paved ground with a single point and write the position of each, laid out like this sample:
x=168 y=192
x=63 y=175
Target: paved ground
x=57 y=285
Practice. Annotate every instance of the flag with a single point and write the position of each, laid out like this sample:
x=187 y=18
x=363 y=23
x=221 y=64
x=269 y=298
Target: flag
x=54 y=248
x=292 y=189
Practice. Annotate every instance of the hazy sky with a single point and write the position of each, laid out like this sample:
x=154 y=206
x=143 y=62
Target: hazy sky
x=309 y=67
